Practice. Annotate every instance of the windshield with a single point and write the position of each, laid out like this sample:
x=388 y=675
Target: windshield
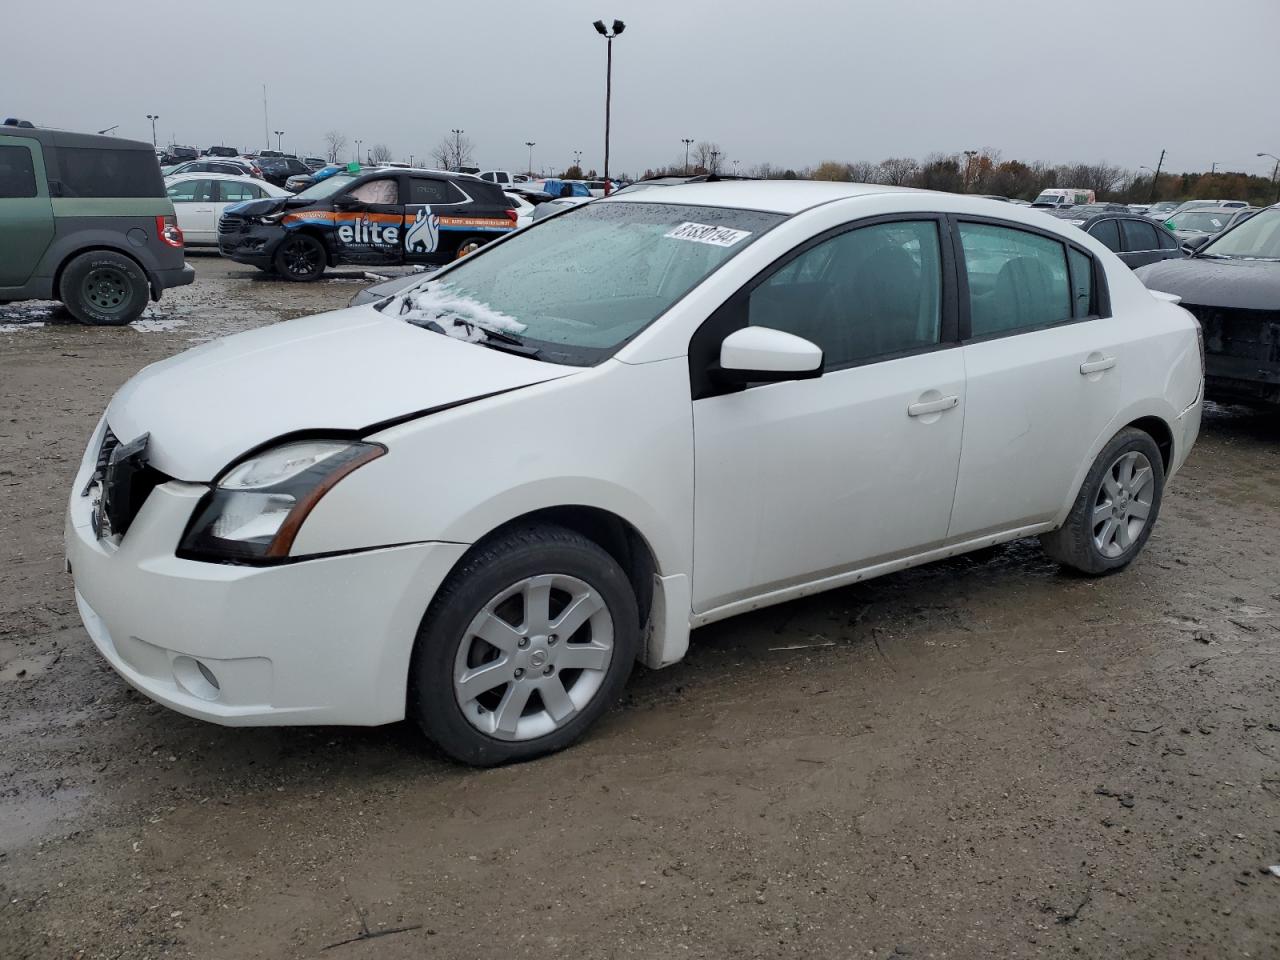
x=326 y=187
x=1200 y=221
x=579 y=285
x=1257 y=238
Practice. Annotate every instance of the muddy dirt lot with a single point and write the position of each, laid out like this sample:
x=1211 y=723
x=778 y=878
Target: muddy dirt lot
x=981 y=758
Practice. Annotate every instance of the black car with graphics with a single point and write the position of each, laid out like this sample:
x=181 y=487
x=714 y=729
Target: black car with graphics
x=85 y=219
x=1232 y=285
x=369 y=217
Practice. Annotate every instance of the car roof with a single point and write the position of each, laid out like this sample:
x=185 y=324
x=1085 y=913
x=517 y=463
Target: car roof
x=774 y=196
x=207 y=175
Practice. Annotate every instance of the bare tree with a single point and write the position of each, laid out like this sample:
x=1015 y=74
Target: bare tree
x=453 y=151
x=896 y=171
x=708 y=154
x=335 y=144
x=864 y=171
x=379 y=153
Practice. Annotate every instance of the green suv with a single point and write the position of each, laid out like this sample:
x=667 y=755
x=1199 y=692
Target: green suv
x=85 y=220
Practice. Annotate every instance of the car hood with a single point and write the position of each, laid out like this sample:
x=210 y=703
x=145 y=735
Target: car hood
x=1233 y=284
x=344 y=372
x=260 y=208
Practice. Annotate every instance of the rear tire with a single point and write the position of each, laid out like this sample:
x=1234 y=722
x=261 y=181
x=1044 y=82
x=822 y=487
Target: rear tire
x=1116 y=509
x=469 y=246
x=300 y=258
x=104 y=288
x=523 y=647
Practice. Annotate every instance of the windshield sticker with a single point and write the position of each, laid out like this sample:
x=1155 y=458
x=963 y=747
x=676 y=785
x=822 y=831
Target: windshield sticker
x=703 y=233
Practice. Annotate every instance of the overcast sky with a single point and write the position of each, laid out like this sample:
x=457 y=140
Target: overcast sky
x=793 y=83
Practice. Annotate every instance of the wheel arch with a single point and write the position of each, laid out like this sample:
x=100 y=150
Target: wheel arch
x=323 y=236
x=1159 y=431
x=617 y=536
x=153 y=285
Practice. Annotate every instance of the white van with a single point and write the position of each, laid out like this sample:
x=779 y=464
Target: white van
x=1064 y=197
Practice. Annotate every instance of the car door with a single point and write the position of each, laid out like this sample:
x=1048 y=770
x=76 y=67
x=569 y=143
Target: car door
x=369 y=221
x=1043 y=361
x=1107 y=232
x=1141 y=242
x=195 y=205
x=429 y=197
x=26 y=213
x=807 y=480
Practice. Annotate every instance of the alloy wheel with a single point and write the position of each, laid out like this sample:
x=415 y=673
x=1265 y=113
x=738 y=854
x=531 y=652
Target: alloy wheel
x=1123 y=505
x=533 y=657
x=300 y=258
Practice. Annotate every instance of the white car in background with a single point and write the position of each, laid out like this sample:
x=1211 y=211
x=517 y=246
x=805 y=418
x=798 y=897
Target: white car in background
x=199 y=199
x=558 y=205
x=524 y=209
x=479 y=502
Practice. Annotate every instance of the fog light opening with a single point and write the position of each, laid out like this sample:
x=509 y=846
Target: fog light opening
x=195 y=678
x=208 y=675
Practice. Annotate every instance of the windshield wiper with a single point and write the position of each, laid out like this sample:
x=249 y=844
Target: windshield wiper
x=495 y=339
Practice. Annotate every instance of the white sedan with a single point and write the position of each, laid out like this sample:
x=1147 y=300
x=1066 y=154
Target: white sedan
x=479 y=502
x=524 y=209
x=199 y=199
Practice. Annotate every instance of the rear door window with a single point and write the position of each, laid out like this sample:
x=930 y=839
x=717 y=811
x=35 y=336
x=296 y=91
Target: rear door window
x=1017 y=279
x=1139 y=235
x=427 y=190
x=232 y=192
x=17 y=172
x=95 y=172
x=1107 y=232
x=191 y=191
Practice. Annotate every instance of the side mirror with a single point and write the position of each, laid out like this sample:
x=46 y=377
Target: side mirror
x=765 y=355
x=1195 y=243
x=347 y=203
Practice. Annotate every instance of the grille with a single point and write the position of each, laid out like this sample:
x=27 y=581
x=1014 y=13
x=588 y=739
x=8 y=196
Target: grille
x=230 y=223
x=127 y=480
x=1247 y=334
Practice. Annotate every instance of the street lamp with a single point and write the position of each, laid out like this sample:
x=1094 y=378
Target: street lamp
x=153 y=117
x=735 y=168
x=1274 y=182
x=686 y=141
x=279 y=134
x=715 y=156
x=968 y=166
x=577 y=159
x=530 y=144
x=618 y=27
x=358 y=143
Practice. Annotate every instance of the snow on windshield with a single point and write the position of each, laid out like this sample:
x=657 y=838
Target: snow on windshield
x=456 y=315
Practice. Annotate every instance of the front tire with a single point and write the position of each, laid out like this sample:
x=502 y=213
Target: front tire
x=300 y=258
x=525 y=645
x=1116 y=508
x=104 y=288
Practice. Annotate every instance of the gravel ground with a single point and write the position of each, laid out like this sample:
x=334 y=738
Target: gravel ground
x=980 y=758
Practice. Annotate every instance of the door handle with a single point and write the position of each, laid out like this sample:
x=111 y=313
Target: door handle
x=923 y=407
x=1097 y=366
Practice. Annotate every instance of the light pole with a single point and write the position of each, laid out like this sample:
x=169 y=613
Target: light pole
x=1274 y=182
x=735 y=168
x=530 y=144
x=968 y=167
x=358 y=142
x=1155 y=177
x=618 y=27
x=153 y=117
x=686 y=141
x=279 y=135
x=715 y=157
x=577 y=160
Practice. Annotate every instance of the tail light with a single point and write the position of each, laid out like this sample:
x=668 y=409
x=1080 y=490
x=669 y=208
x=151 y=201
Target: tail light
x=168 y=231
x=512 y=215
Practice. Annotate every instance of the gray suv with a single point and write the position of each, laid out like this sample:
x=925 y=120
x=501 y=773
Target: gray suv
x=84 y=219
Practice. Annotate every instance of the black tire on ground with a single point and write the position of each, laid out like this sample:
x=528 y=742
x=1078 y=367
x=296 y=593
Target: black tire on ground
x=300 y=258
x=1073 y=544
x=469 y=245
x=104 y=288
x=486 y=572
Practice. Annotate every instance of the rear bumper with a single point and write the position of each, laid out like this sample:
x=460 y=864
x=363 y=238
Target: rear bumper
x=173 y=277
